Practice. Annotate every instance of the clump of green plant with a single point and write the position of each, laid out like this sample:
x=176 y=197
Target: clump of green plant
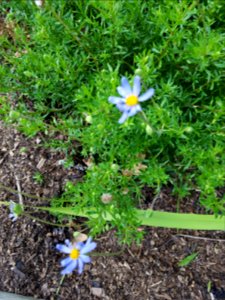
x=67 y=58
x=38 y=178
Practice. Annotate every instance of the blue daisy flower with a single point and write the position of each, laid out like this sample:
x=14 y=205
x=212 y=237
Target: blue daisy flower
x=15 y=210
x=13 y=215
x=128 y=103
x=77 y=255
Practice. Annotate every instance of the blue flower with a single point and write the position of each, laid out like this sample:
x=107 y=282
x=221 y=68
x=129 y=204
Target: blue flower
x=128 y=103
x=13 y=213
x=77 y=255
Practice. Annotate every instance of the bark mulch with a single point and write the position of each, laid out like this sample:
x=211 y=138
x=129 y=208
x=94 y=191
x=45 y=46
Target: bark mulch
x=29 y=263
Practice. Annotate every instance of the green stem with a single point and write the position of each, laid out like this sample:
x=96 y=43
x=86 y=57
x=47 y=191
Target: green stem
x=60 y=284
x=45 y=222
x=11 y=190
x=149 y=128
x=107 y=254
x=144 y=117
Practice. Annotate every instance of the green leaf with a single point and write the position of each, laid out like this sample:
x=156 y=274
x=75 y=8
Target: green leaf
x=187 y=260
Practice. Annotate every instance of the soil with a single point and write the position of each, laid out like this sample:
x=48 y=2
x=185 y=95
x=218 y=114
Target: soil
x=29 y=263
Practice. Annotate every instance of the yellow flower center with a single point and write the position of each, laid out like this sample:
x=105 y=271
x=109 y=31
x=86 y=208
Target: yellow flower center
x=74 y=254
x=132 y=100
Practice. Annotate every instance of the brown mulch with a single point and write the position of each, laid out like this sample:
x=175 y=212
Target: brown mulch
x=29 y=263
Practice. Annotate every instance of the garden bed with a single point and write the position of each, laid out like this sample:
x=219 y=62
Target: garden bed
x=79 y=159
x=30 y=264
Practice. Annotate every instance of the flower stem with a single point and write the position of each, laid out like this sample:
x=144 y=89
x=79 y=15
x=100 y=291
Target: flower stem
x=45 y=222
x=11 y=190
x=149 y=128
x=60 y=284
x=102 y=254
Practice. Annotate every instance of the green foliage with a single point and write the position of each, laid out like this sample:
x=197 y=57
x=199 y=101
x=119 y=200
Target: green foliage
x=65 y=59
x=38 y=178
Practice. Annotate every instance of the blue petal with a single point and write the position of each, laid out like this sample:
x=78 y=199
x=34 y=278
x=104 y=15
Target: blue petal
x=13 y=217
x=68 y=243
x=146 y=95
x=123 y=92
x=137 y=86
x=62 y=248
x=80 y=266
x=88 y=247
x=125 y=85
x=134 y=110
x=79 y=245
x=121 y=106
x=123 y=118
x=86 y=259
x=115 y=100
x=66 y=261
x=70 y=267
x=12 y=206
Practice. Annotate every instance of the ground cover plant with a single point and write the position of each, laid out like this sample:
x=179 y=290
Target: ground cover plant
x=61 y=64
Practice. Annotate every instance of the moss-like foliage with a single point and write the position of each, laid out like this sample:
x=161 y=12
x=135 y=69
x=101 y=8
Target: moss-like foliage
x=62 y=61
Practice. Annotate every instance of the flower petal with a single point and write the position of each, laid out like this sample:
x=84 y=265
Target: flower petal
x=62 y=248
x=115 y=100
x=12 y=206
x=137 y=86
x=123 y=118
x=68 y=243
x=88 y=247
x=134 y=110
x=123 y=92
x=80 y=266
x=70 y=267
x=66 y=261
x=125 y=85
x=122 y=106
x=13 y=217
x=86 y=259
x=147 y=95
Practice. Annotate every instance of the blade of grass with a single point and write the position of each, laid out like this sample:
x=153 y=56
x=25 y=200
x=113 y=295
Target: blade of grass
x=157 y=218
x=150 y=218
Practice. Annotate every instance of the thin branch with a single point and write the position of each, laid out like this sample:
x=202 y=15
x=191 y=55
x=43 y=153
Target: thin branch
x=198 y=237
x=157 y=197
x=19 y=190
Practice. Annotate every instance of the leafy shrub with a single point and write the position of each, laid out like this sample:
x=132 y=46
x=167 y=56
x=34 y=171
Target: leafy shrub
x=67 y=58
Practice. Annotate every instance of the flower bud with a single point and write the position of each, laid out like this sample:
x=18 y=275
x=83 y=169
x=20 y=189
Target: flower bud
x=88 y=119
x=149 y=130
x=188 y=129
x=106 y=198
